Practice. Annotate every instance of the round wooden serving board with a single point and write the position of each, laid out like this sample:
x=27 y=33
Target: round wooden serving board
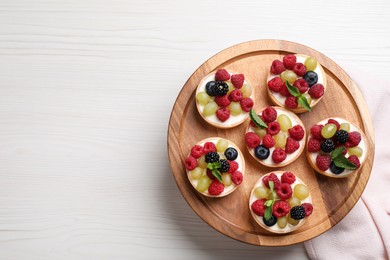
x=230 y=215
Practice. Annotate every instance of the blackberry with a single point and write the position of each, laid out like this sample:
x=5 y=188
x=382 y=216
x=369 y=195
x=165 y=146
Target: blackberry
x=262 y=152
x=211 y=87
x=342 y=136
x=327 y=146
x=231 y=154
x=225 y=166
x=271 y=221
x=311 y=78
x=221 y=88
x=211 y=157
x=335 y=169
x=297 y=212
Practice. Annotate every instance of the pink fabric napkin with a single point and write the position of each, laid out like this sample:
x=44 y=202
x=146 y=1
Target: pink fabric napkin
x=365 y=232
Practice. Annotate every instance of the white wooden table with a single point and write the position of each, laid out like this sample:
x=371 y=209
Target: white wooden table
x=86 y=90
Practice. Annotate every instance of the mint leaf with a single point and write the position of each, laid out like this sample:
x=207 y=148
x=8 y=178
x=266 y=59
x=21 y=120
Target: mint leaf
x=336 y=152
x=217 y=174
x=292 y=89
x=341 y=161
x=269 y=203
x=257 y=120
x=303 y=102
x=271 y=185
x=214 y=165
x=268 y=213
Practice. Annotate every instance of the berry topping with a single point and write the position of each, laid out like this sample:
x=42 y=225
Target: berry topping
x=268 y=141
x=341 y=136
x=291 y=145
x=246 y=104
x=278 y=155
x=211 y=87
x=281 y=208
x=289 y=61
x=288 y=177
x=277 y=67
x=269 y=114
x=271 y=221
x=284 y=91
x=211 y=157
x=252 y=140
x=196 y=151
x=334 y=121
x=235 y=95
x=355 y=160
x=209 y=174
x=237 y=80
x=191 y=163
x=335 y=169
x=209 y=147
x=216 y=188
x=354 y=139
x=233 y=166
x=308 y=207
x=313 y=145
x=299 y=69
x=225 y=166
x=297 y=132
x=302 y=85
x=327 y=145
x=323 y=161
x=316 y=91
x=311 y=78
x=262 y=152
x=276 y=84
x=222 y=101
x=237 y=177
x=272 y=177
x=315 y=131
x=222 y=75
x=258 y=207
x=284 y=191
x=231 y=153
x=273 y=128
x=221 y=88
x=297 y=212
x=291 y=102
x=223 y=114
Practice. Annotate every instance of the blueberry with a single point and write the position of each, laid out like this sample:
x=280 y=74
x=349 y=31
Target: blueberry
x=262 y=152
x=211 y=88
x=231 y=153
x=335 y=169
x=311 y=78
x=271 y=221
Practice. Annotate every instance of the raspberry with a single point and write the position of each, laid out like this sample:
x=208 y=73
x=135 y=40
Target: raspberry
x=288 y=177
x=191 y=163
x=237 y=80
x=235 y=95
x=297 y=132
x=308 y=208
x=233 y=166
x=315 y=131
x=297 y=212
x=354 y=139
x=334 y=121
x=291 y=102
x=280 y=208
x=252 y=140
x=275 y=84
x=285 y=191
x=272 y=177
x=273 y=128
x=289 y=61
x=246 y=104
x=258 y=207
x=279 y=155
x=222 y=101
x=316 y=91
x=196 y=151
x=216 y=187
x=323 y=161
x=269 y=114
x=268 y=141
x=223 y=114
x=291 y=145
x=237 y=177
x=209 y=173
x=299 y=69
x=313 y=145
x=284 y=91
x=209 y=147
x=302 y=85
x=222 y=75
x=277 y=67
x=355 y=160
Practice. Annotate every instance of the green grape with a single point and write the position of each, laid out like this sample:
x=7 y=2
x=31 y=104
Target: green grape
x=235 y=108
x=221 y=145
x=202 y=162
x=355 y=151
x=301 y=191
x=282 y=222
x=311 y=64
x=210 y=108
x=328 y=131
x=345 y=126
x=261 y=192
x=203 y=98
x=196 y=173
x=294 y=201
x=203 y=183
x=292 y=221
x=231 y=87
x=226 y=179
x=261 y=132
x=284 y=122
x=288 y=75
x=280 y=140
x=246 y=91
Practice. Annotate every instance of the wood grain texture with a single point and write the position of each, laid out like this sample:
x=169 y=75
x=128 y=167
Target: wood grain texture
x=230 y=215
x=86 y=90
